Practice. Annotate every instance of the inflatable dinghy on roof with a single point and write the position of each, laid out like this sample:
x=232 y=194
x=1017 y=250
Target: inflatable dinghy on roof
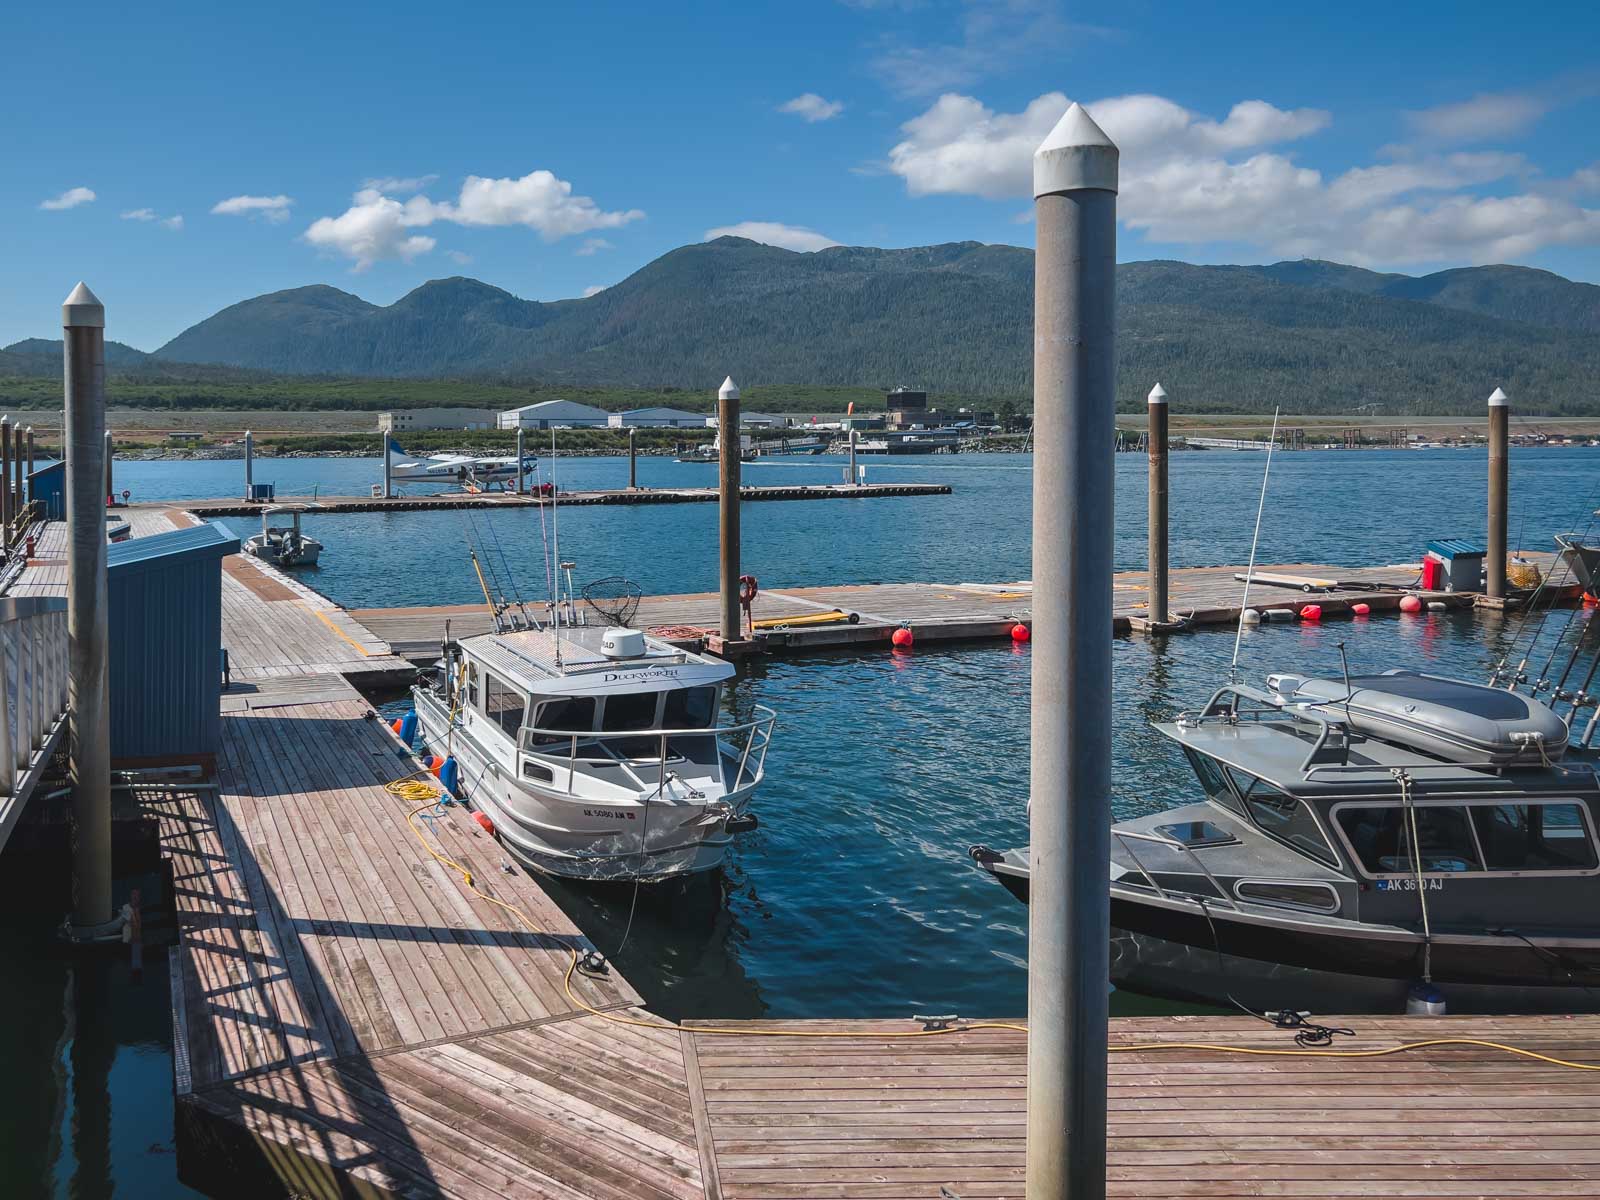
x=1464 y=722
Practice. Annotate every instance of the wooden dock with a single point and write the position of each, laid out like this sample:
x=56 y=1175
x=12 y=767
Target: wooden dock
x=352 y=1017
x=938 y=612
x=480 y=500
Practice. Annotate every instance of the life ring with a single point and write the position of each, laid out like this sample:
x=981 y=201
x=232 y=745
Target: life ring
x=748 y=587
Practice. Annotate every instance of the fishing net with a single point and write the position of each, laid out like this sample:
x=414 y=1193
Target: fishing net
x=614 y=598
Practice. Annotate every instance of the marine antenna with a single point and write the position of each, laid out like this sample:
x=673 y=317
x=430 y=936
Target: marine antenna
x=1233 y=667
x=555 y=548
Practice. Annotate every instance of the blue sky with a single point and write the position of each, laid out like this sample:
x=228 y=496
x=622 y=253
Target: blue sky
x=554 y=149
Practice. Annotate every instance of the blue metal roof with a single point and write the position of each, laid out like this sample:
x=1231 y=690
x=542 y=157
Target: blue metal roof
x=199 y=542
x=1457 y=548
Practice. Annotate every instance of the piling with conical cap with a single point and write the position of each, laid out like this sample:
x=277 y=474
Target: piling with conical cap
x=83 y=320
x=728 y=506
x=1074 y=374
x=1156 y=440
x=1494 y=564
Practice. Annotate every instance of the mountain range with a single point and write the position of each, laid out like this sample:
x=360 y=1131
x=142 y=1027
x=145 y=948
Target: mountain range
x=955 y=318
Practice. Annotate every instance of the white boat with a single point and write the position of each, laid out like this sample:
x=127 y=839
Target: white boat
x=281 y=542
x=597 y=752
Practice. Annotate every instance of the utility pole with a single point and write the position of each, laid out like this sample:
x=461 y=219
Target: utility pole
x=1069 y=911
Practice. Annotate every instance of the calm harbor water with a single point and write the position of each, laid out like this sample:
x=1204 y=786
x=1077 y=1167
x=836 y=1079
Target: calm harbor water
x=855 y=896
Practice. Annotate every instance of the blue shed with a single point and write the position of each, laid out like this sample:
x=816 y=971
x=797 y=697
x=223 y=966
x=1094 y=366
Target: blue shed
x=48 y=485
x=165 y=624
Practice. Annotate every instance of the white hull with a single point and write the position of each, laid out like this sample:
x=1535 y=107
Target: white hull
x=306 y=556
x=592 y=837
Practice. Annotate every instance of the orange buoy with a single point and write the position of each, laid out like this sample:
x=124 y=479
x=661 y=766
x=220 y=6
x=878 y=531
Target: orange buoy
x=1361 y=610
x=1311 y=612
x=902 y=638
x=395 y=725
x=434 y=765
x=1020 y=633
x=1410 y=604
x=482 y=818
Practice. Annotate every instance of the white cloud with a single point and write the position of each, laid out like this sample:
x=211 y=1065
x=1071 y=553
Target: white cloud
x=772 y=233
x=459 y=257
x=403 y=185
x=593 y=291
x=70 y=198
x=538 y=200
x=593 y=246
x=268 y=208
x=174 y=223
x=375 y=227
x=994 y=37
x=1486 y=116
x=1190 y=179
x=810 y=107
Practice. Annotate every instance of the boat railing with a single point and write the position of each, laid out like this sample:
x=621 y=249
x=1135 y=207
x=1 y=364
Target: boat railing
x=750 y=738
x=1124 y=836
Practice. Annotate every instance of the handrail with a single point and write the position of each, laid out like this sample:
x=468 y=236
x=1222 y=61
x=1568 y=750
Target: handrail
x=33 y=669
x=1122 y=834
x=757 y=738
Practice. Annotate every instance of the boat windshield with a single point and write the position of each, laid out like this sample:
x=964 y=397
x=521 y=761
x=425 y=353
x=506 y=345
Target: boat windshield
x=1283 y=817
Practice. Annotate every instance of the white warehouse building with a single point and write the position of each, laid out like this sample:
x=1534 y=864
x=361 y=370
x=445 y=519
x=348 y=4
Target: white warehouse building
x=554 y=414
x=658 y=418
x=404 y=419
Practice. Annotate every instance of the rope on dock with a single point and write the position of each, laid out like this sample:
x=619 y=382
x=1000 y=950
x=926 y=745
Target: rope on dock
x=938 y=1030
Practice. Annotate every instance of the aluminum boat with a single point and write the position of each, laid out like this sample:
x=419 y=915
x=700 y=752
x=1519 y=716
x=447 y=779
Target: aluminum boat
x=281 y=541
x=1361 y=844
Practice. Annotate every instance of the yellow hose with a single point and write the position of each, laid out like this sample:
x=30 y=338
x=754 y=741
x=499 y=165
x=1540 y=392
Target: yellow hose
x=1141 y=1048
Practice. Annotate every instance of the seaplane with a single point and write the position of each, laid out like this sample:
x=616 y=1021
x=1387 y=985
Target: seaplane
x=464 y=469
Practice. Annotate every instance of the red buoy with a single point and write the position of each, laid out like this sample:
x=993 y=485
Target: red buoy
x=1410 y=604
x=1311 y=612
x=482 y=818
x=902 y=638
x=1019 y=632
x=1361 y=610
x=434 y=763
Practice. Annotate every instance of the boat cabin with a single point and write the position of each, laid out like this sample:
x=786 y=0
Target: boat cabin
x=1348 y=799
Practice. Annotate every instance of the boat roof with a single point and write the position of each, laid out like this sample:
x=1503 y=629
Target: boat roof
x=529 y=658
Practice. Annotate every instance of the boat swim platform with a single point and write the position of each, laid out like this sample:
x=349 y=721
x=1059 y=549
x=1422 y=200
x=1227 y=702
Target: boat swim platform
x=489 y=500
x=938 y=612
x=351 y=1020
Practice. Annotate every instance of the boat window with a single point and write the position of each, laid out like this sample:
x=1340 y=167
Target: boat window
x=532 y=770
x=1213 y=780
x=503 y=705
x=1317 y=896
x=1283 y=817
x=472 y=685
x=1534 y=837
x=573 y=713
x=1381 y=838
x=629 y=710
x=690 y=708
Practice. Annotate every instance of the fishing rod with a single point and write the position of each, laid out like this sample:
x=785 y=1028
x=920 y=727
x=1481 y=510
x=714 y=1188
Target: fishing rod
x=1261 y=507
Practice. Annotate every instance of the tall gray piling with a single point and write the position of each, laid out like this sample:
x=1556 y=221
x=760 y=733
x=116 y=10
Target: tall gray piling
x=633 y=458
x=111 y=483
x=521 y=435
x=6 y=515
x=854 y=477
x=250 y=463
x=728 y=506
x=83 y=319
x=15 y=483
x=1069 y=912
x=1157 y=442
x=28 y=499
x=388 y=467
x=1494 y=563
